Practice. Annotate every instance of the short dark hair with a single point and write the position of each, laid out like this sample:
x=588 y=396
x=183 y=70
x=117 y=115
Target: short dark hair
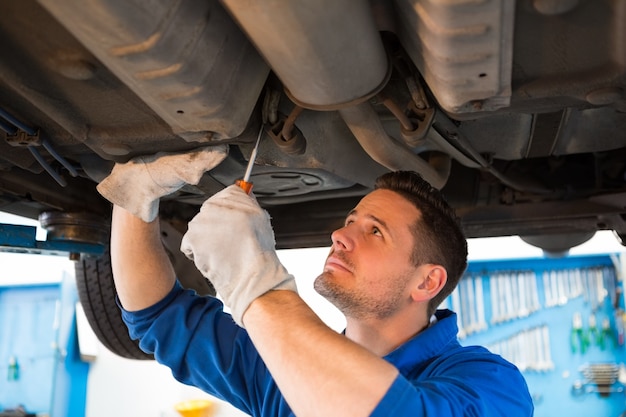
x=439 y=238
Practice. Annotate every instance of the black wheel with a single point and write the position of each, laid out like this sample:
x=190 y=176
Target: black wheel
x=96 y=291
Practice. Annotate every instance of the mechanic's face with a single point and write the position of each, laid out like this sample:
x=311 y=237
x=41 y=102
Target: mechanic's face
x=369 y=271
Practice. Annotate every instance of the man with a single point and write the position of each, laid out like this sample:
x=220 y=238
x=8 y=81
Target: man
x=399 y=254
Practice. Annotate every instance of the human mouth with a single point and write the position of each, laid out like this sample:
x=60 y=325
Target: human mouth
x=337 y=261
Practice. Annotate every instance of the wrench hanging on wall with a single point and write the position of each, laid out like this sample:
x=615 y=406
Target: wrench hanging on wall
x=528 y=349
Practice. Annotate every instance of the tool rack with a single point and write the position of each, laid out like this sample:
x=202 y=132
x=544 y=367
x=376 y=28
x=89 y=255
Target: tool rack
x=560 y=321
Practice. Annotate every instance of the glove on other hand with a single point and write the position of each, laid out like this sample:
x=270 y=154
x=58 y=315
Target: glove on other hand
x=138 y=184
x=231 y=241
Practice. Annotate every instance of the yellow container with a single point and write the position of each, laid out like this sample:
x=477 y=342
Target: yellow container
x=195 y=408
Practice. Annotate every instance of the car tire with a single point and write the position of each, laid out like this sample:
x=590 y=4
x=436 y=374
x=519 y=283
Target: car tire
x=97 y=295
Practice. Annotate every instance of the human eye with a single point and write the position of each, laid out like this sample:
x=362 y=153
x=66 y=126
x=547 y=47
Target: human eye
x=376 y=231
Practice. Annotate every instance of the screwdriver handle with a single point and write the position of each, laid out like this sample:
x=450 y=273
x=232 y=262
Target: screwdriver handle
x=244 y=185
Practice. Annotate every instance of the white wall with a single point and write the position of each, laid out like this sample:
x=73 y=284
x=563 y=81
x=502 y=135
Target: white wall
x=130 y=388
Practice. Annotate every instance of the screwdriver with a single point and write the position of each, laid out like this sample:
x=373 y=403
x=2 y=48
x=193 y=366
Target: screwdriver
x=245 y=183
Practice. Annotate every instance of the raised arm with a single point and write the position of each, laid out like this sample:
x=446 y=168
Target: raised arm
x=320 y=372
x=142 y=271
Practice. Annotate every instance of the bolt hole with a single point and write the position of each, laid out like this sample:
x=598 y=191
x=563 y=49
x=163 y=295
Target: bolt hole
x=180 y=112
x=482 y=75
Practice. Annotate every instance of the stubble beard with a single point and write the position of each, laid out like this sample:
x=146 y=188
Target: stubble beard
x=357 y=304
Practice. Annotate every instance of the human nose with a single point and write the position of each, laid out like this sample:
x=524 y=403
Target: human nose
x=342 y=239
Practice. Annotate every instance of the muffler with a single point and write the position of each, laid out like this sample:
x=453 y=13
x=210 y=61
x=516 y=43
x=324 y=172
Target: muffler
x=327 y=53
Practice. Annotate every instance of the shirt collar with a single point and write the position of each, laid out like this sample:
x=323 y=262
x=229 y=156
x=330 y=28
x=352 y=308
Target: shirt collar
x=426 y=344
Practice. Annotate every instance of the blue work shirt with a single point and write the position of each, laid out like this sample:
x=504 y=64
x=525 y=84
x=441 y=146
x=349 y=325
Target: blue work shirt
x=438 y=377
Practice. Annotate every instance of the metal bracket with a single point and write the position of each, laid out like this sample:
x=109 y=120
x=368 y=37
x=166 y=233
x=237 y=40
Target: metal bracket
x=22 y=138
x=22 y=239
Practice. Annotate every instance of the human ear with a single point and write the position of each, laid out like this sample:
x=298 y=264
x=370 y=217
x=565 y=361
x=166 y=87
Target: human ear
x=434 y=279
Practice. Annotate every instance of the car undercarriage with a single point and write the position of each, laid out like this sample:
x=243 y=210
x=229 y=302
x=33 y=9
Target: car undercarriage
x=516 y=110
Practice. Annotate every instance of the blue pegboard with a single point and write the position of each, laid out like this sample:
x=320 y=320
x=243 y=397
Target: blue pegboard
x=556 y=382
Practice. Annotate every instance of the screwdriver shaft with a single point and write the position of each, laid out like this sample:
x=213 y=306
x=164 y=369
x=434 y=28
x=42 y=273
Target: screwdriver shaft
x=245 y=183
x=246 y=176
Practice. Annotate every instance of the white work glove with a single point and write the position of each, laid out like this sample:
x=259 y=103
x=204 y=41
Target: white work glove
x=138 y=184
x=231 y=241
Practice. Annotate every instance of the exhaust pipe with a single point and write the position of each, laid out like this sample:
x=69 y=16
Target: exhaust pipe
x=327 y=53
x=366 y=127
x=329 y=56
